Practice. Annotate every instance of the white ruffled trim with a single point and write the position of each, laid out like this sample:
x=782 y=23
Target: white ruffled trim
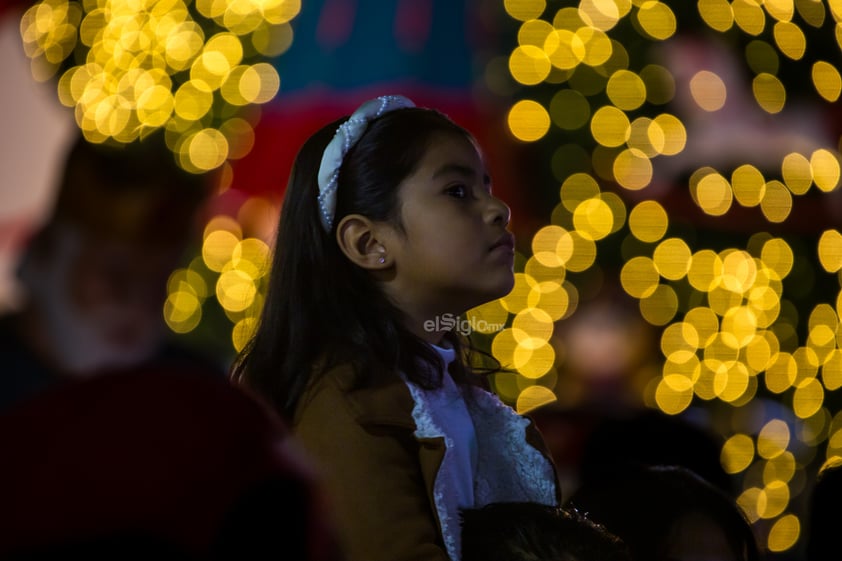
x=443 y=489
x=508 y=468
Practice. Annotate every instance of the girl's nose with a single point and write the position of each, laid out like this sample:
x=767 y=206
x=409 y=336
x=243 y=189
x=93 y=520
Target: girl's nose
x=498 y=212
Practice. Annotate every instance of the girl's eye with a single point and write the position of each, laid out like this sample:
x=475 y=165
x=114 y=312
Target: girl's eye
x=457 y=191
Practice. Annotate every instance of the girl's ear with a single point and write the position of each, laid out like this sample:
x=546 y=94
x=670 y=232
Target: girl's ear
x=358 y=239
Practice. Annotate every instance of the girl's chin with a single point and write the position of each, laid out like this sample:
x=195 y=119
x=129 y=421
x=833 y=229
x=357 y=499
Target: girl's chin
x=501 y=289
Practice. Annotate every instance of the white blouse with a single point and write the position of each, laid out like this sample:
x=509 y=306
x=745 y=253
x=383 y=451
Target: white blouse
x=487 y=458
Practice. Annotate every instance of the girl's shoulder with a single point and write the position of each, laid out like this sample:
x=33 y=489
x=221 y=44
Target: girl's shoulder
x=382 y=399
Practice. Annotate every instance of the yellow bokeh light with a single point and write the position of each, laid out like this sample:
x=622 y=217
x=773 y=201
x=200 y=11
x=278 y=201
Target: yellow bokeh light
x=717 y=14
x=760 y=352
x=777 y=202
x=617 y=207
x=647 y=136
x=534 y=358
x=524 y=10
x=601 y=14
x=705 y=322
x=659 y=307
x=632 y=169
x=648 y=221
x=826 y=80
x=781 y=10
x=679 y=339
x=797 y=173
x=808 y=398
x=705 y=270
x=781 y=372
x=534 y=32
x=831 y=372
x=242 y=332
x=779 y=468
x=598 y=46
x=784 y=533
x=569 y=109
x=134 y=57
x=830 y=250
x=773 y=500
x=551 y=297
x=672 y=258
x=582 y=254
x=739 y=326
x=739 y=270
x=674 y=394
x=626 y=90
x=251 y=256
x=737 y=453
x=577 y=188
x=708 y=90
x=713 y=194
x=217 y=249
x=769 y=92
x=675 y=135
x=593 y=219
x=207 y=149
x=656 y=19
x=488 y=318
x=182 y=311
x=825 y=167
x=610 y=126
x=193 y=100
x=528 y=120
x=533 y=397
x=544 y=246
x=773 y=439
x=565 y=49
x=639 y=277
x=748 y=185
x=529 y=65
x=790 y=39
x=260 y=83
x=778 y=256
x=517 y=299
x=534 y=322
x=749 y=16
x=235 y=290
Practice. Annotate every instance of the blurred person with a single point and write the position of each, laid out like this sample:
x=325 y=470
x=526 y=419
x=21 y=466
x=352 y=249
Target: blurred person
x=607 y=354
x=822 y=522
x=535 y=532
x=649 y=437
x=668 y=513
x=158 y=463
x=93 y=277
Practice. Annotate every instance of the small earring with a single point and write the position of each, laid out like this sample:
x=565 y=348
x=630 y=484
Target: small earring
x=381 y=260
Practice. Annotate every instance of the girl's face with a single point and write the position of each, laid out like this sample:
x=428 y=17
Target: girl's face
x=455 y=252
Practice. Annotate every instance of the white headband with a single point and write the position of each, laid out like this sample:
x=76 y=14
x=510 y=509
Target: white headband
x=347 y=135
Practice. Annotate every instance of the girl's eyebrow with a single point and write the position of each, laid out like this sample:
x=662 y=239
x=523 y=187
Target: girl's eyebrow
x=459 y=169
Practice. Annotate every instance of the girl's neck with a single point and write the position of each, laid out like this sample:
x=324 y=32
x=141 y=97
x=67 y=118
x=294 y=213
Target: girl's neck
x=432 y=329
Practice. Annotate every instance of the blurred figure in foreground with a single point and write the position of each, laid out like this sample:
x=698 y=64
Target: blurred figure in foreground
x=822 y=528
x=94 y=276
x=163 y=464
x=522 y=531
x=668 y=513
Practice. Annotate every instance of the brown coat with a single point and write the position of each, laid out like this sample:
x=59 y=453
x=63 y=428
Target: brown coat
x=380 y=476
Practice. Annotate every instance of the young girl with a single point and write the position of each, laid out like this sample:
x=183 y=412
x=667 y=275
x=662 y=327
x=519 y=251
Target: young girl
x=389 y=223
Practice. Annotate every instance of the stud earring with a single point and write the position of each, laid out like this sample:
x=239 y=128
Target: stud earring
x=381 y=260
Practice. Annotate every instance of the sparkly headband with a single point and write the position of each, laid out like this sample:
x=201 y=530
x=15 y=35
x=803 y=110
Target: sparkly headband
x=347 y=135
